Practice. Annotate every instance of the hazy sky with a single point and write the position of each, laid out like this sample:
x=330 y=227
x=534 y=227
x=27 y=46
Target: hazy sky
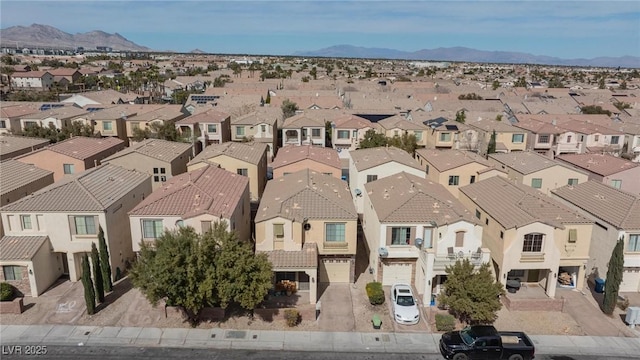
x=566 y=29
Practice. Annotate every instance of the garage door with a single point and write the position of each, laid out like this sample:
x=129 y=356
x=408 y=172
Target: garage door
x=396 y=273
x=630 y=280
x=334 y=271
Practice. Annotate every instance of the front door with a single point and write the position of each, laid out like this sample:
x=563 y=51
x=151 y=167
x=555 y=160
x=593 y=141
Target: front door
x=533 y=276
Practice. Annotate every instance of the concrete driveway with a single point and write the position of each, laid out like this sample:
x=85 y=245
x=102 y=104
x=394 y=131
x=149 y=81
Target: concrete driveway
x=336 y=313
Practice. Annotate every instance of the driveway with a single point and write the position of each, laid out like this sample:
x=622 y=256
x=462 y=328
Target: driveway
x=336 y=313
x=585 y=311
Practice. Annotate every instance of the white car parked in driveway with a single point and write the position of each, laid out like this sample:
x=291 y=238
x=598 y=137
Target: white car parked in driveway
x=405 y=307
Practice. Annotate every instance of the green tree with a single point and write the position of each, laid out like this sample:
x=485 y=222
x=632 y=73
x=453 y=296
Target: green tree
x=601 y=84
x=623 y=85
x=521 y=82
x=314 y=73
x=471 y=295
x=328 y=130
x=289 y=108
x=105 y=268
x=495 y=84
x=461 y=116
x=140 y=134
x=373 y=139
x=594 y=109
x=406 y=142
x=87 y=283
x=268 y=99
x=97 y=273
x=491 y=148
x=556 y=83
x=614 y=278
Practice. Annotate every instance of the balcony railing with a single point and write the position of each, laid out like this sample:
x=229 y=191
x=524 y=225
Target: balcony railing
x=443 y=261
x=335 y=244
x=532 y=257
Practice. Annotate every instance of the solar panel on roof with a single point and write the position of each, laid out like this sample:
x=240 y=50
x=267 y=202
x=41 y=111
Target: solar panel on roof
x=451 y=127
x=93 y=109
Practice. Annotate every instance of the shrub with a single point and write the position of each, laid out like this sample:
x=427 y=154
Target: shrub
x=375 y=293
x=7 y=292
x=292 y=316
x=445 y=322
x=623 y=304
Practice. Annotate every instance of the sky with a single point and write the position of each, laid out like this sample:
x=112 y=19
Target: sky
x=566 y=29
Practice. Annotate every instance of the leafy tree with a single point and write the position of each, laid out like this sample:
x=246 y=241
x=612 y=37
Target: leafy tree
x=499 y=117
x=495 y=84
x=623 y=85
x=140 y=134
x=97 y=273
x=105 y=268
x=470 y=96
x=373 y=139
x=314 y=73
x=521 y=82
x=601 y=84
x=328 y=130
x=471 y=295
x=491 y=148
x=556 y=83
x=268 y=99
x=614 y=278
x=461 y=116
x=594 y=109
x=87 y=283
x=406 y=142
x=622 y=105
x=289 y=108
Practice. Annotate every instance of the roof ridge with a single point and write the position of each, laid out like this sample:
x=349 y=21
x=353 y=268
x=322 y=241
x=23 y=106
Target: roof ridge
x=633 y=203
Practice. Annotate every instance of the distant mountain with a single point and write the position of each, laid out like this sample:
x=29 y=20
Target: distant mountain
x=196 y=51
x=48 y=37
x=467 y=55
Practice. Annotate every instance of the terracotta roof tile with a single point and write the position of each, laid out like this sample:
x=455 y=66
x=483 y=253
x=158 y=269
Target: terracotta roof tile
x=154 y=148
x=305 y=258
x=601 y=164
x=251 y=153
x=526 y=162
x=15 y=174
x=447 y=159
x=20 y=248
x=81 y=148
x=292 y=154
x=372 y=157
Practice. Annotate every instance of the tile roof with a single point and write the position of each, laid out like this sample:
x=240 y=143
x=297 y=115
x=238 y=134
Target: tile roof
x=209 y=116
x=408 y=198
x=526 y=162
x=64 y=112
x=257 y=117
x=92 y=190
x=352 y=122
x=154 y=148
x=617 y=207
x=249 y=152
x=107 y=96
x=302 y=120
x=306 y=194
x=372 y=157
x=81 y=148
x=601 y=164
x=20 y=248
x=15 y=174
x=400 y=122
x=19 y=110
x=165 y=113
x=292 y=154
x=305 y=258
x=515 y=205
x=10 y=144
x=208 y=190
x=447 y=159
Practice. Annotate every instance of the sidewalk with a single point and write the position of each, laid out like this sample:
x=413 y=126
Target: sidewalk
x=423 y=343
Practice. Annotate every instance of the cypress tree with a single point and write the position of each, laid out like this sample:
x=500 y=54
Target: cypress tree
x=491 y=148
x=614 y=278
x=89 y=293
x=104 y=262
x=97 y=273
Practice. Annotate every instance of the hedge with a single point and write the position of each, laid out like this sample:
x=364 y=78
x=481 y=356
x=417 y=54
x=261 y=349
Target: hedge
x=445 y=322
x=375 y=293
x=7 y=292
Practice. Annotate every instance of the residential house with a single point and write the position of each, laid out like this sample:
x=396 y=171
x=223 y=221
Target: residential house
x=631 y=141
x=307 y=225
x=508 y=137
x=617 y=172
x=206 y=128
x=12 y=146
x=154 y=114
x=398 y=125
x=302 y=129
x=448 y=134
x=347 y=132
x=617 y=216
x=49 y=231
x=108 y=121
x=291 y=159
x=197 y=199
x=258 y=126
x=454 y=168
x=63 y=77
x=73 y=155
x=58 y=117
x=538 y=171
x=32 y=80
x=159 y=158
x=246 y=159
x=532 y=238
x=100 y=97
x=414 y=229
x=10 y=115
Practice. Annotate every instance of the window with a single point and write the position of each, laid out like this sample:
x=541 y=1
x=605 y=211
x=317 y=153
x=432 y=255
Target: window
x=581 y=138
x=278 y=231
x=107 y=126
x=568 y=138
x=573 y=235
x=12 y=272
x=135 y=125
x=459 y=238
x=263 y=128
x=532 y=243
x=26 y=222
x=69 y=168
x=243 y=172
x=478 y=213
x=158 y=175
x=486 y=221
x=445 y=136
x=573 y=182
x=343 y=134
x=616 y=183
x=427 y=170
x=212 y=128
x=205 y=226
x=354 y=134
x=240 y=131
x=517 y=138
x=454 y=180
x=536 y=183
x=3 y=124
x=501 y=234
x=543 y=139
x=400 y=236
x=315 y=133
x=152 y=229
x=615 y=139
x=472 y=179
x=85 y=225
x=371 y=178
x=335 y=232
x=634 y=243
x=396 y=133
x=418 y=135
x=596 y=137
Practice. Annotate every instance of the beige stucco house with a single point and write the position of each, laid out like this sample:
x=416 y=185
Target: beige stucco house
x=399 y=125
x=302 y=129
x=307 y=225
x=12 y=146
x=259 y=127
x=611 y=170
x=347 y=132
x=291 y=159
x=531 y=237
x=205 y=128
x=49 y=231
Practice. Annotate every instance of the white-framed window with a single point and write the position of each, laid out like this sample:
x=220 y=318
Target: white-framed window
x=454 y=180
x=568 y=138
x=315 y=133
x=107 y=125
x=25 y=220
x=343 y=134
x=371 y=178
x=543 y=138
x=401 y=236
x=212 y=128
x=152 y=229
x=3 y=124
x=573 y=181
x=243 y=172
x=536 y=183
x=615 y=140
x=12 y=272
x=445 y=136
x=354 y=134
x=239 y=130
x=85 y=225
x=533 y=243
x=159 y=175
x=334 y=232
x=616 y=183
x=418 y=135
x=596 y=137
x=634 y=243
x=517 y=138
x=263 y=128
x=278 y=231
x=69 y=168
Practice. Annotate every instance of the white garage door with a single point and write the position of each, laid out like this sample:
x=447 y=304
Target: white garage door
x=396 y=273
x=334 y=271
x=630 y=281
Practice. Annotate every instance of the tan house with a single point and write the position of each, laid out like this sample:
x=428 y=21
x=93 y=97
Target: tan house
x=611 y=170
x=73 y=155
x=154 y=114
x=538 y=171
x=19 y=180
x=12 y=146
x=206 y=128
x=347 y=132
x=159 y=158
x=508 y=137
x=32 y=80
x=307 y=225
x=246 y=159
x=398 y=125
x=10 y=115
x=414 y=229
x=302 y=129
x=49 y=231
x=455 y=168
x=58 y=117
x=108 y=121
x=533 y=239
x=259 y=126
x=291 y=159
x=197 y=199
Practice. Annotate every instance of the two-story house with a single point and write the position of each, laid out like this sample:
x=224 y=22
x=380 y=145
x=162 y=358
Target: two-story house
x=12 y=146
x=206 y=128
x=301 y=129
x=508 y=138
x=48 y=232
x=258 y=126
x=414 y=228
x=532 y=238
x=307 y=214
x=10 y=115
x=32 y=80
x=197 y=199
x=398 y=125
x=611 y=170
x=59 y=117
x=347 y=132
x=147 y=115
x=617 y=215
x=291 y=159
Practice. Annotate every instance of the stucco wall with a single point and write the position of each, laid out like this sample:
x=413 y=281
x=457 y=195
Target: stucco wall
x=307 y=164
x=53 y=161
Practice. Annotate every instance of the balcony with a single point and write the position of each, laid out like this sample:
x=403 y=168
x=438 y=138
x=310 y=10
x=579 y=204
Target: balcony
x=441 y=262
x=531 y=257
x=335 y=245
